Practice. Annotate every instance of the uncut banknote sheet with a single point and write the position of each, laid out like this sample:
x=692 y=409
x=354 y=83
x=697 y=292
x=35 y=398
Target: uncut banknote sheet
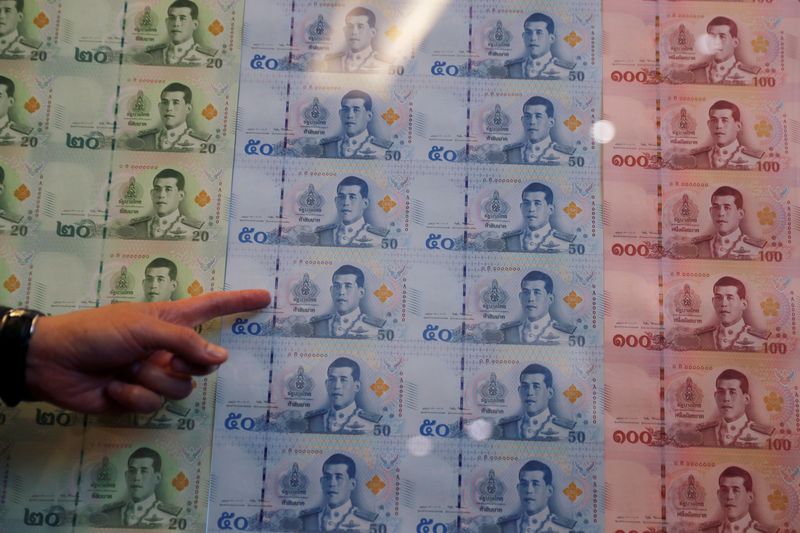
x=534 y=264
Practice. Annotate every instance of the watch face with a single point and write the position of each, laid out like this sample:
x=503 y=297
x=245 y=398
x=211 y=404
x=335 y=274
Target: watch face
x=19 y=313
x=24 y=329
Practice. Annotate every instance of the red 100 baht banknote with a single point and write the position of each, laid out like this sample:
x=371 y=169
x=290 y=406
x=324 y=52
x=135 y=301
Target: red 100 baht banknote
x=701 y=129
x=701 y=491
x=731 y=216
x=702 y=401
x=744 y=44
x=700 y=306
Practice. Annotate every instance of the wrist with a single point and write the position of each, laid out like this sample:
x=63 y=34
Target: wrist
x=37 y=353
x=16 y=328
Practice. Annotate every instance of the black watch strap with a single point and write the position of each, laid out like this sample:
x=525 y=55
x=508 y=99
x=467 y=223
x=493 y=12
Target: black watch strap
x=16 y=328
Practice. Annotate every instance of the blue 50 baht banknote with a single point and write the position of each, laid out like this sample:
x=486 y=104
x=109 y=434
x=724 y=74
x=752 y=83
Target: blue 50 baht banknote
x=378 y=38
x=543 y=124
x=317 y=483
x=537 y=41
x=357 y=391
x=556 y=213
x=552 y=302
x=339 y=294
x=312 y=387
x=352 y=119
x=374 y=206
x=510 y=486
x=534 y=394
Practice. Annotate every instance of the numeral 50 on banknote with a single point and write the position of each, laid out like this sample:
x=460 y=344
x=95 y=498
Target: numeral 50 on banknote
x=343 y=295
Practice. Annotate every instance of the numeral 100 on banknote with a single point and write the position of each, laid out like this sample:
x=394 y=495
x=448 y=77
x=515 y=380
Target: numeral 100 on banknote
x=702 y=401
x=729 y=217
x=700 y=131
x=743 y=45
x=702 y=307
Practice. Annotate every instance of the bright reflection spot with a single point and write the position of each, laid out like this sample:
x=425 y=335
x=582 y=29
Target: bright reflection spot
x=705 y=44
x=479 y=429
x=420 y=20
x=420 y=446
x=603 y=131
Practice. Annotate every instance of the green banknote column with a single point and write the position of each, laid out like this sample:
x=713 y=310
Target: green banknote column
x=116 y=163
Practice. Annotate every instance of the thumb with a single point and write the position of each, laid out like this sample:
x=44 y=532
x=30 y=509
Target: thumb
x=185 y=343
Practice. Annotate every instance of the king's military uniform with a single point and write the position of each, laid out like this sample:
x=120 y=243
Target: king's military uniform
x=732 y=157
x=728 y=72
x=354 y=325
x=181 y=139
x=738 y=337
x=359 y=233
x=741 y=433
x=745 y=524
x=542 y=426
x=544 y=152
x=543 y=240
x=174 y=227
x=188 y=54
x=542 y=522
x=346 y=517
x=147 y=514
x=546 y=67
x=544 y=331
x=11 y=132
x=350 y=420
x=16 y=46
x=366 y=61
x=361 y=146
x=735 y=245
x=10 y=217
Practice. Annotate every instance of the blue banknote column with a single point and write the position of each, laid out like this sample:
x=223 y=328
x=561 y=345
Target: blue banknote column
x=421 y=191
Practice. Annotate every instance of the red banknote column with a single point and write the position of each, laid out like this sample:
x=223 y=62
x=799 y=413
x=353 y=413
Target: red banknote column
x=700 y=194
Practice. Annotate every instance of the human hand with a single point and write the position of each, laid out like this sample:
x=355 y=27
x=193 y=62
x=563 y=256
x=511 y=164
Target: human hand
x=127 y=357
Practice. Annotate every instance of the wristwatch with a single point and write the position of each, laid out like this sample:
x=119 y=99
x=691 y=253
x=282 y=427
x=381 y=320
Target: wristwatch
x=17 y=326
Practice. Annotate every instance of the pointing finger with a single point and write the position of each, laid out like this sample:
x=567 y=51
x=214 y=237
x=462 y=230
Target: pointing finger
x=193 y=311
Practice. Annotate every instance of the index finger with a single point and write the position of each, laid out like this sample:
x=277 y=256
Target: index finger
x=194 y=311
